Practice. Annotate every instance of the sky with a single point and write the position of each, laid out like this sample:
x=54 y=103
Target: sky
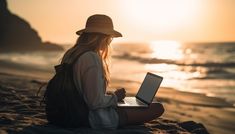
x=138 y=20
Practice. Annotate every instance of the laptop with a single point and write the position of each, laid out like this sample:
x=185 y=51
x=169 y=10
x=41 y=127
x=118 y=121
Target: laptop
x=146 y=93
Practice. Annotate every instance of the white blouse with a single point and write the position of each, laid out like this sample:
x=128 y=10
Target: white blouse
x=88 y=77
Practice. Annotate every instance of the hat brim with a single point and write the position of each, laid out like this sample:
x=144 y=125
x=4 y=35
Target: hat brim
x=114 y=33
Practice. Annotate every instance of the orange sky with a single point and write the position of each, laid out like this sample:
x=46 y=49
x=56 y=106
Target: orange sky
x=137 y=20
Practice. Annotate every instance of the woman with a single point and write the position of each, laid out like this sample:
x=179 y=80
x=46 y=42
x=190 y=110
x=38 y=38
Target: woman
x=91 y=77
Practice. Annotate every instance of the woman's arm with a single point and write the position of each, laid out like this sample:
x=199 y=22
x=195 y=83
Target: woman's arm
x=94 y=90
x=89 y=75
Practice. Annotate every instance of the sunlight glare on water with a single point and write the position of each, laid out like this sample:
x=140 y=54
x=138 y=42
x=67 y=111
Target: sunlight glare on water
x=166 y=49
x=174 y=75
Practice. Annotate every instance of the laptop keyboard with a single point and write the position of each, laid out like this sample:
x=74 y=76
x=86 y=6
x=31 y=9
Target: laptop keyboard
x=133 y=101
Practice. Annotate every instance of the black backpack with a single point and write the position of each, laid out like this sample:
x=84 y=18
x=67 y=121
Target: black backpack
x=65 y=106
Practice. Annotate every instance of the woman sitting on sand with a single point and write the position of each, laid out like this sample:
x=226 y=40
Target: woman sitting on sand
x=91 y=76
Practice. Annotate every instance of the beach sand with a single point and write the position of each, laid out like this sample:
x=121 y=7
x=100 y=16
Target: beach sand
x=20 y=111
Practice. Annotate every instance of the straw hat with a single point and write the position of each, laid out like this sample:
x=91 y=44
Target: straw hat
x=99 y=23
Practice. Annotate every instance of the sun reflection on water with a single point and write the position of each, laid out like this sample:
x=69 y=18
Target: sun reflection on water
x=174 y=75
x=166 y=49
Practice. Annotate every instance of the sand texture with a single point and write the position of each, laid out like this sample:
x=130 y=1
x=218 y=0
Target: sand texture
x=21 y=112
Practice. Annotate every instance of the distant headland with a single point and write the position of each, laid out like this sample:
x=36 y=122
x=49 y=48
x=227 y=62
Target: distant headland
x=16 y=34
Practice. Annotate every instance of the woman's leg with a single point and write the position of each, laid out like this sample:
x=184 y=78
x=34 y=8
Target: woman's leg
x=141 y=115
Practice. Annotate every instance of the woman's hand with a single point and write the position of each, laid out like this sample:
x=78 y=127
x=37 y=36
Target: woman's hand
x=109 y=92
x=120 y=93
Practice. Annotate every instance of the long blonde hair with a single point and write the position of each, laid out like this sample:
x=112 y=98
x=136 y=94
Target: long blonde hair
x=96 y=42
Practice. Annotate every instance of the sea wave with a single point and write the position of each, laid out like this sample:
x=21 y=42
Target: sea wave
x=144 y=60
x=209 y=70
x=220 y=74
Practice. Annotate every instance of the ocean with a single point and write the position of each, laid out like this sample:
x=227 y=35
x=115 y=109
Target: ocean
x=207 y=68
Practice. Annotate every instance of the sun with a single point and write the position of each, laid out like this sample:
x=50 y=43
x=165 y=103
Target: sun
x=160 y=15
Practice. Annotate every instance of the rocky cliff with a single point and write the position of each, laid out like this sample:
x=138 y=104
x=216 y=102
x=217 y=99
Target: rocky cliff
x=16 y=34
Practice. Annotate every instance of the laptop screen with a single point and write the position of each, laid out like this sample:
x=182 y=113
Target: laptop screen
x=149 y=87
